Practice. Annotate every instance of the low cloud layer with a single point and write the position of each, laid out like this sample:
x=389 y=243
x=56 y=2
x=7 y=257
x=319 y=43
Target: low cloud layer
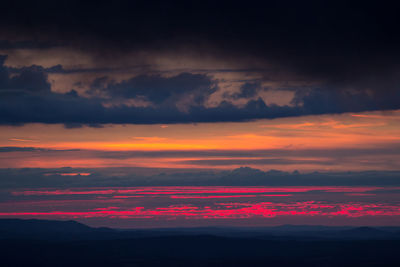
x=377 y=157
x=92 y=177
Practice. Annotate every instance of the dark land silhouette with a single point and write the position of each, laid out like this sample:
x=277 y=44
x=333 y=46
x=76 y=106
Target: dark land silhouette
x=69 y=243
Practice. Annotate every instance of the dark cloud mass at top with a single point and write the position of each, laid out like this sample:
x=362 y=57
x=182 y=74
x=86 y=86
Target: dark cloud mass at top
x=347 y=52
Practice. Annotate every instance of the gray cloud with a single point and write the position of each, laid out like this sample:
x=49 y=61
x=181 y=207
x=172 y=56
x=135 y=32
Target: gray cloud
x=6 y=149
x=348 y=64
x=39 y=178
x=26 y=44
x=378 y=156
x=266 y=161
x=247 y=90
x=30 y=79
x=158 y=89
x=342 y=44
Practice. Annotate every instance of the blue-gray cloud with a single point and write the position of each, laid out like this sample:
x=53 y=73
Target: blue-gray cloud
x=158 y=89
x=6 y=149
x=244 y=176
x=247 y=90
x=26 y=97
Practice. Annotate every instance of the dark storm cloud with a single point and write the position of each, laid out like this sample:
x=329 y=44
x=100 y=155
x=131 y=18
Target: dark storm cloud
x=349 y=49
x=6 y=44
x=328 y=101
x=247 y=90
x=339 y=41
x=30 y=79
x=59 y=69
x=26 y=97
x=158 y=89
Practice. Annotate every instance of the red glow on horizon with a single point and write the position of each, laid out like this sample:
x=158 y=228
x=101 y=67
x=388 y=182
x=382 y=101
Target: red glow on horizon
x=205 y=197
x=171 y=203
x=232 y=196
x=231 y=211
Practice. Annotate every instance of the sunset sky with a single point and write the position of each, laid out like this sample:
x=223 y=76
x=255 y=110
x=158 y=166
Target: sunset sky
x=295 y=107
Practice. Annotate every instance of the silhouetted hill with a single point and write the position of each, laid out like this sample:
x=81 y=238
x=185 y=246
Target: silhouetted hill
x=44 y=229
x=69 y=243
x=366 y=233
x=43 y=226
x=72 y=230
x=199 y=251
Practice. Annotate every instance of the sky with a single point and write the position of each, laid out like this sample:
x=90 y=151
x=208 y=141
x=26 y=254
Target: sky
x=250 y=96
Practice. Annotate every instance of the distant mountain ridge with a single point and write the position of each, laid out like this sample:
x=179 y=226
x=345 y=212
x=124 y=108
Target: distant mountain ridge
x=43 y=225
x=43 y=229
x=53 y=229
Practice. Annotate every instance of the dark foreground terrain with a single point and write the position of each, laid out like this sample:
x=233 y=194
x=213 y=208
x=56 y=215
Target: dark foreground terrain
x=53 y=243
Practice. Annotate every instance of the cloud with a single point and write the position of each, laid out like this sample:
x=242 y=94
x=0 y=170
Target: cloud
x=247 y=90
x=328 y=101
x=21 y=140
x=158 y=89
x=245 y=176
x=31 y=79
x=6 y=149
x=308 y=38
x=20 y=149
x=265 y=161
x=25 y=44
x=339 y=65
x=375 y=157
x=390 y=150
x=27 y=97
x=30 y=105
